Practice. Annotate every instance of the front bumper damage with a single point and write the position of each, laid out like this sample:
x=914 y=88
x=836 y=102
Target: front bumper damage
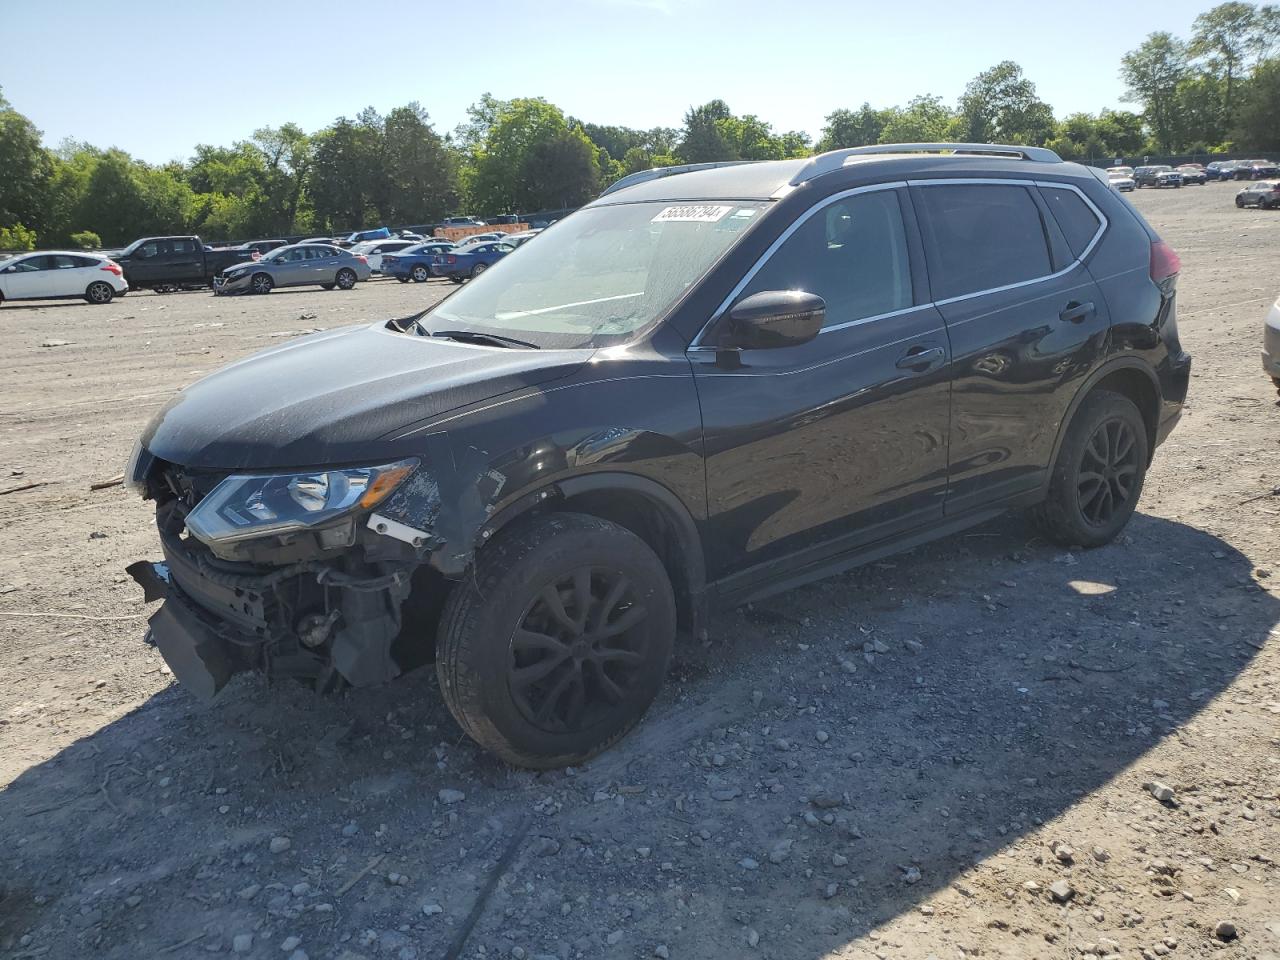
x=329 y=621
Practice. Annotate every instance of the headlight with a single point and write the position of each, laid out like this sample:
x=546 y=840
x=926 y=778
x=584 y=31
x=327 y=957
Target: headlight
x=243 y=506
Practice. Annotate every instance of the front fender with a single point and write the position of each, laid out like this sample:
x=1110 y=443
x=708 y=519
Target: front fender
x=484 y=467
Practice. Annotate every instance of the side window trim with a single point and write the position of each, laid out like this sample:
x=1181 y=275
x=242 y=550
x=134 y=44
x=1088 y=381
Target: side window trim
x=796 y=224
x=915 y=245
x=1103 y=223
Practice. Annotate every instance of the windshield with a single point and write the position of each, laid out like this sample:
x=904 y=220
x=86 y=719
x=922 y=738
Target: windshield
x=600 y=275
x=276 y=253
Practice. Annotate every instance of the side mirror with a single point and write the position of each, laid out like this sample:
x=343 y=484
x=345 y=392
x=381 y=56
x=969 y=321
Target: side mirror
x=775 y=318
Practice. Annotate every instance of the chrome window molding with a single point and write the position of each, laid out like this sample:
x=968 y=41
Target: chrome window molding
x=764 y=258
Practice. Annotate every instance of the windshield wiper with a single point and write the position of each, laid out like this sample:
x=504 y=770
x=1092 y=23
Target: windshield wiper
x=475 y=336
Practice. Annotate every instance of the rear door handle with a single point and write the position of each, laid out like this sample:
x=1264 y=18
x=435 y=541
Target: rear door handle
x=1075 y=312
x=921 y=359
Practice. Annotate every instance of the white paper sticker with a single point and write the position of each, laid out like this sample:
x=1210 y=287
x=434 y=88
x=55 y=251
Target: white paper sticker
x=692 y=213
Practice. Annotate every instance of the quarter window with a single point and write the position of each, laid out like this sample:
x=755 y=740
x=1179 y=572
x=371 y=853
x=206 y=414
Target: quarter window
x=852 y=253
x=1076 y=218
x=982 y=236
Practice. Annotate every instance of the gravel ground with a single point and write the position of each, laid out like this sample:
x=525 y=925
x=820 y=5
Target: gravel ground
x=985 y=747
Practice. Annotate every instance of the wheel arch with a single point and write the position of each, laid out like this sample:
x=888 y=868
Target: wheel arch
x=1128 y=376
x=643 y=506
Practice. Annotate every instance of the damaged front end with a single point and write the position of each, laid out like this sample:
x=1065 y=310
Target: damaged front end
x=286 y=574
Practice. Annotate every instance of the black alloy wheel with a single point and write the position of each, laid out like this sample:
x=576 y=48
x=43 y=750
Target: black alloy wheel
x=1097 y=477
x=261 y=283
x=577 y=651
x=1108 y=469
x=556 y=645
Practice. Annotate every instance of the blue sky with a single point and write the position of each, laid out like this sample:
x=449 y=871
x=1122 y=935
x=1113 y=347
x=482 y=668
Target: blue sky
x=157 y=78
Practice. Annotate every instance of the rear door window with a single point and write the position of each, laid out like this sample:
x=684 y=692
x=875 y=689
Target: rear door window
x=981 y=237
x=1076 y=218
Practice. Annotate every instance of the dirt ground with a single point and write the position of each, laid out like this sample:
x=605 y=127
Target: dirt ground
x=939 y=756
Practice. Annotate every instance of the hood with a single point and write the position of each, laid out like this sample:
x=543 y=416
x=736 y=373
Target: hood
x=332 y=398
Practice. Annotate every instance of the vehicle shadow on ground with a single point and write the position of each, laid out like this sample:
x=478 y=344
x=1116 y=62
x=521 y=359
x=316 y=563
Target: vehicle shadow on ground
x=1002 y=680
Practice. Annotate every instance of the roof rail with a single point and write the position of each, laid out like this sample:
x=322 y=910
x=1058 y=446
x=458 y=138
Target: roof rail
x=654 y=173
x=834 y=160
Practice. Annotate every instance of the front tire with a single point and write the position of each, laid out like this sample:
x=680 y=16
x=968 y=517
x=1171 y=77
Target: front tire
x=556 y=647
x=1098 y=476
x=346 y=279
x=99 y=292
x=261 y=283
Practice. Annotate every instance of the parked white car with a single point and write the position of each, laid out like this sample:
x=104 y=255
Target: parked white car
x=1121 y=182
x=61 y=275
x=374 y=249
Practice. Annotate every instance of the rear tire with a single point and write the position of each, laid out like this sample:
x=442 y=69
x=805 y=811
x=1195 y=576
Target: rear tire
x=99 y=292
x=261 y=283
x=1098 y=475
x=346 y=279
x=478 y=269
x=556 y=646
x=421 y=274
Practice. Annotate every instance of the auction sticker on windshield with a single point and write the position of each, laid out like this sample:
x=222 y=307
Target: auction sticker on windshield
x=692 y=213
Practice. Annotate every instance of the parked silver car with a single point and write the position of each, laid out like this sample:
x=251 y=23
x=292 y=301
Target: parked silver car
x=297 y=265
x=1271 y=344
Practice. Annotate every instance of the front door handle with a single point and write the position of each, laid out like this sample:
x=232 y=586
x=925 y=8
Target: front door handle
x=921 y=359
x=1076 y=312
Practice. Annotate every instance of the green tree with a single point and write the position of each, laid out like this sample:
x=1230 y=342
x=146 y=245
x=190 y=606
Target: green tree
x=703 y=139
x=421 y=172
x=1226 y=36
x=17 y=237
x=347 y=176
x=1258 y=117
x=749 y=138
x=925 y=119
x=853 y=128
x=1152 y=73
x=86 y=240
x=1121 y=131
x=25 y=170
x=559 y=171
x=510 y=168
x=1000 y=106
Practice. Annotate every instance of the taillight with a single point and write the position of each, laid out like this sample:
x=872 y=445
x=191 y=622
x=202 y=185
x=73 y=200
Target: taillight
x=1164 y=262
x=112 y=267
x=362 y=258
x=256 y=255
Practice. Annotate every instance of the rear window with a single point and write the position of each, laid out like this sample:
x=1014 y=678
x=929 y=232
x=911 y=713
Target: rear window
x=1076 y=218
x=982 y=236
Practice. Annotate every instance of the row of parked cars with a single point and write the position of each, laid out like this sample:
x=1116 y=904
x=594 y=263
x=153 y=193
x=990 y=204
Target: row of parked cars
x=1261 y=192
x=320 y=263
x=186 y=262
x=1125 y=179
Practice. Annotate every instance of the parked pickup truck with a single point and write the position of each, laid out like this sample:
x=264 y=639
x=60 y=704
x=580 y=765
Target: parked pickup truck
x=175 y=263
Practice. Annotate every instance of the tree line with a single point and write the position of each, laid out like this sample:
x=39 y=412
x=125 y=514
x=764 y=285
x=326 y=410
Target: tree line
x=1216 y=91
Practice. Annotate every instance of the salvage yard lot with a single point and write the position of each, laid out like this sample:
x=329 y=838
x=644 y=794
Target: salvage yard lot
x=943 y=754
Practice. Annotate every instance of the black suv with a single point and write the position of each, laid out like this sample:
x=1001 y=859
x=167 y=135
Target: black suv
x=699 y=389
